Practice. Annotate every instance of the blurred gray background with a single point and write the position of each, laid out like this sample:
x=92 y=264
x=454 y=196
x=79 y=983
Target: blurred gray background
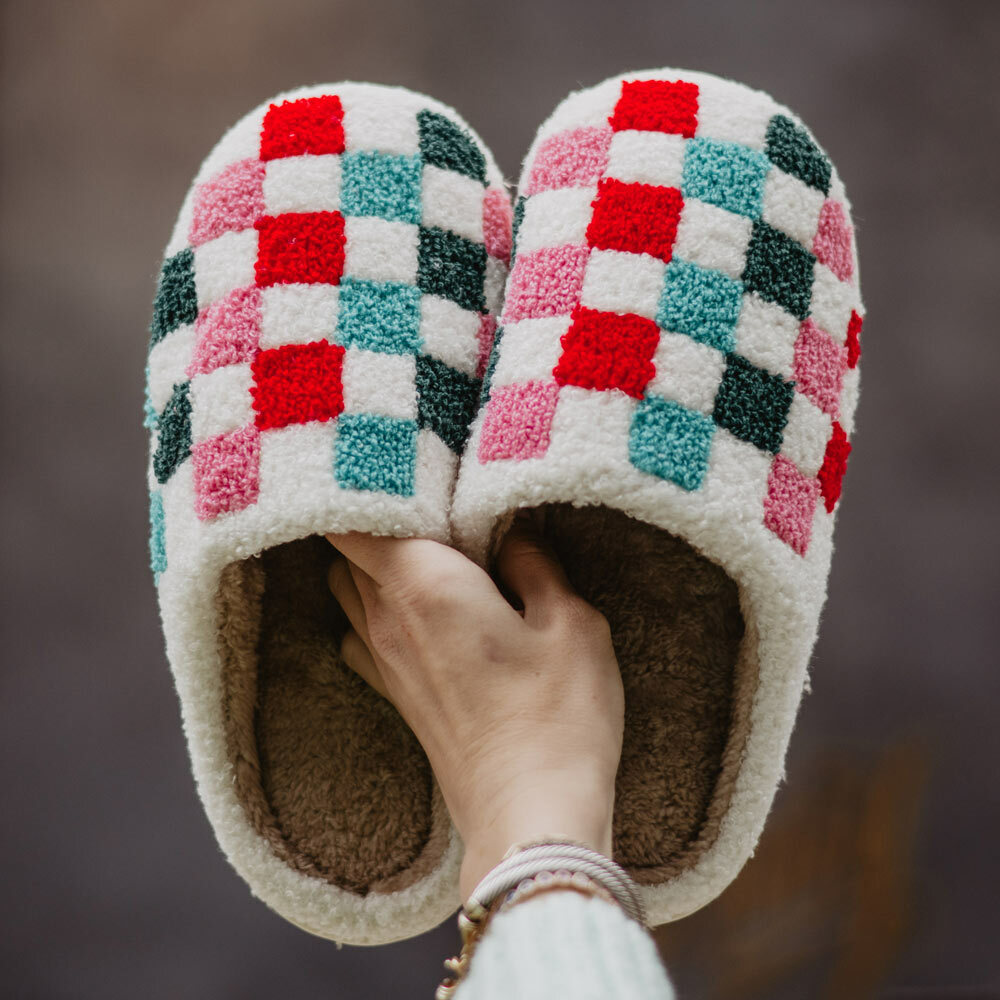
x=879 y=873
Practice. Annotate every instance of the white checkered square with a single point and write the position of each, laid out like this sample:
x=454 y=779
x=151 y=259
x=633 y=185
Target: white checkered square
x=493 y=282
x=449 y=333
x=224 y=264
x=806 y=434
x=555 y=219
x=168 y=362
x=591 y=429
x=384 y=384
x=302 y=184
x=765 y=335
x=791 y=206
x=832 y=302
x=380 y=250
x=732 y=113
x=530 y=350
x=381 y=123
x=849 y=399
x=712 y=237
x=297 y=462
x=221 y=402
x=452 y=201
x=646 y=158
x=736 y=480
x=298 y=314
x=623 y=282
x=687 y=372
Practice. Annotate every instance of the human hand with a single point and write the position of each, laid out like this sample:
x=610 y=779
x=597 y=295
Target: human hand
x=520 y=713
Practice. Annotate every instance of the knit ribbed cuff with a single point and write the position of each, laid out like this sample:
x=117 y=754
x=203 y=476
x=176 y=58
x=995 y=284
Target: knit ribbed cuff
x=563 y=944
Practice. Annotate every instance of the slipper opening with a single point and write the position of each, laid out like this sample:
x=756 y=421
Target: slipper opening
x=689 y=669
x=325 y=769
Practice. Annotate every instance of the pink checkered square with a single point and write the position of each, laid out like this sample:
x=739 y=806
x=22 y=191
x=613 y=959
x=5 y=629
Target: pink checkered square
x=226 y=473
x=575 y=158
x=227 y=332
x=819 y=366
x=497 y=219
x=545 y=282
x=231 y=201
x=518 y=421
x=832 y=244
x=485 y=336
x=790 y=504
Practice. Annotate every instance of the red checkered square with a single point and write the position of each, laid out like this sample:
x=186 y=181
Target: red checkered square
x=300 y=246
x=605 y=350
x=657 y=106
x=636 y=218
x=296 y=383
x=311 y=125
x=853 y=343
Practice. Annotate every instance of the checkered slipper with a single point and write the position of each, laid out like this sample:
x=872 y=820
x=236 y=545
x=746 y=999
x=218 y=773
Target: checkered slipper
x=320 y=329
x=674 y=382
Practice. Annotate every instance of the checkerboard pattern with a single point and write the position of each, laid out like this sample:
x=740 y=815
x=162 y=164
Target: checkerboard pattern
x=347 y=272
x=702 y=264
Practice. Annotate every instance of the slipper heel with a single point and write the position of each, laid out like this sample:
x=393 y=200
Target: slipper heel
x=319 y=334
x=674 y=380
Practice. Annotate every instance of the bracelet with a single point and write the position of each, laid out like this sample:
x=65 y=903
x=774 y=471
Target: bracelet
x=525 y=861
x=528 y=870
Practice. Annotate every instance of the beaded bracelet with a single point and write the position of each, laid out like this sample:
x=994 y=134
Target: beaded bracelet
x=473 y=931
x=528 y=870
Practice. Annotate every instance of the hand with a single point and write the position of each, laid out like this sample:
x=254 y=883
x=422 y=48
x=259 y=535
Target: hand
x=520 y=712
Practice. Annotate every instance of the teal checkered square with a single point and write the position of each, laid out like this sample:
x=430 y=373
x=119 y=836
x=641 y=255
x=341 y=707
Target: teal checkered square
x=702 y=303
x=157 y=535
x=670 y=441
x=379 y=316
x=376 y=453
x=383 y=185
x=725 y=174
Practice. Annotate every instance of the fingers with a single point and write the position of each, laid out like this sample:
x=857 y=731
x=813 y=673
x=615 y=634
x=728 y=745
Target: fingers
x=530 y=569
x=377 y=556
x=342 y=580
x=358 y=657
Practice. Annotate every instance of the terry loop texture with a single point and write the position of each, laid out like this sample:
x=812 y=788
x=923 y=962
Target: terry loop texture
x=680 y=341
x=319 y=335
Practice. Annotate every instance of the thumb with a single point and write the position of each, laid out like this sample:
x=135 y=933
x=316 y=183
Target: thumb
x=529 y=568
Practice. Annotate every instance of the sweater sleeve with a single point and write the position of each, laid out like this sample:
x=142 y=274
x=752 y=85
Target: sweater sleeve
x=565 y=945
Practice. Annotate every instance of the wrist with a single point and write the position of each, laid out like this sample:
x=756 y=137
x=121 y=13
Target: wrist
x=538 y=813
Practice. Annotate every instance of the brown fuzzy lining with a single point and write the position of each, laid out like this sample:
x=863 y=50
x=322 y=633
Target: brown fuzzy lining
x=330 y=774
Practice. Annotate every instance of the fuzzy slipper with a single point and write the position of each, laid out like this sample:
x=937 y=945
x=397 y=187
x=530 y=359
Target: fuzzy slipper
x=320 y=329
x=674 y=382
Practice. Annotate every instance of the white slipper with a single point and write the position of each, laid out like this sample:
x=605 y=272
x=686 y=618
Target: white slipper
x=320 y=330
x=674 y=382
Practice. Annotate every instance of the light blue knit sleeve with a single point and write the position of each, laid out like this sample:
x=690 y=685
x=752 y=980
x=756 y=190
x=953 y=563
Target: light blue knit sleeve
x=565 y=945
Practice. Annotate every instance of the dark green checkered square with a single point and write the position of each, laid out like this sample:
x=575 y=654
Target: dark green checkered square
x=173 y=433
x=176 y=301
x=452 y=267
x=753 y=404
x=790 y=147
x=779 y=270
x=446 y=401
x=444 y=144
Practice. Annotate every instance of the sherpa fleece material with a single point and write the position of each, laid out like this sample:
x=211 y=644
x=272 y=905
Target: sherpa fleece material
x=319 y=334
x=674 y=380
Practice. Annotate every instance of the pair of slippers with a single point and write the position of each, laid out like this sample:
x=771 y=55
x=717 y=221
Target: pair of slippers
x=355 y=330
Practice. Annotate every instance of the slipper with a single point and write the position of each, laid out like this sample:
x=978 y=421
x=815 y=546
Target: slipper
x=673 y=384
x=320 y=329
